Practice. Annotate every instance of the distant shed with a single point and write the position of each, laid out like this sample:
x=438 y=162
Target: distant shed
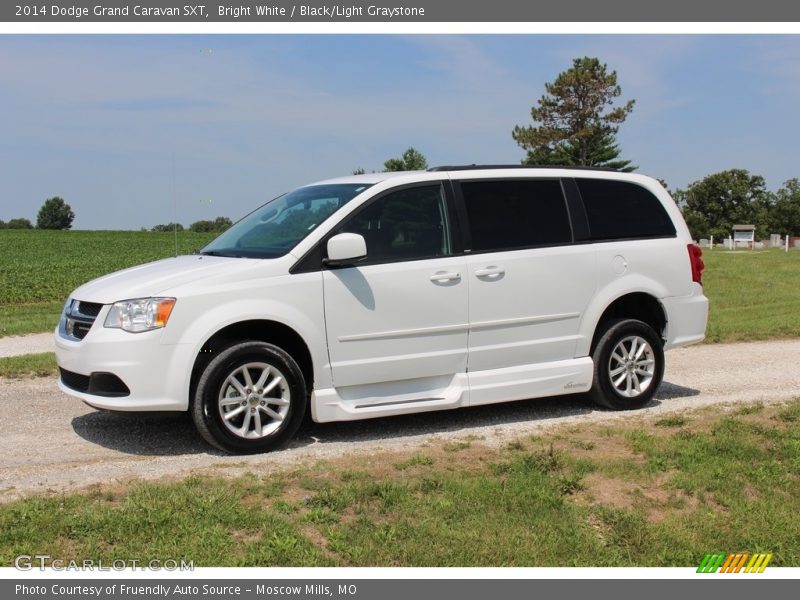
x=744 y=236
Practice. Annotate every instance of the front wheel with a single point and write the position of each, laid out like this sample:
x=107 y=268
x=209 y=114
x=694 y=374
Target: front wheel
x=251 y=398
x=628 y=365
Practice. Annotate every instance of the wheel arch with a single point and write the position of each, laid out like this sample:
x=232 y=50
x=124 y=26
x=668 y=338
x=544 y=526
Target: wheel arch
x=263 y=330
x=641 y=306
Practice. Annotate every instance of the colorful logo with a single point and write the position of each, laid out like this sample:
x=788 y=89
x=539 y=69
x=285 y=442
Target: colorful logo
x=735 y=562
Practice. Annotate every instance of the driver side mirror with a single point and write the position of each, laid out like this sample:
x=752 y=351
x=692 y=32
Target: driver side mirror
x=345 y=249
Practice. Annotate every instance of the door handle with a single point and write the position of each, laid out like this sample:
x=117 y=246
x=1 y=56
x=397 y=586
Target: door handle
x=443 y=276
x=490 y=271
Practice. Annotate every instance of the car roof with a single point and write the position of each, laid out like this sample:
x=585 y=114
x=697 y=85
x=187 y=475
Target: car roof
x=368 y=178
x=496 y=170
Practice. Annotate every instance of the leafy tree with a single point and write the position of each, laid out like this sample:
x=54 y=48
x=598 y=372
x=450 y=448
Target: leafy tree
x=218 y=225
x=55 y=214
x=168 y=227
x=412 y=160
x=576 y=120
x=204 y=226
x=19 y=224
x=3 y=224
x=785 y=213
x=222 y=223
x=713 y=205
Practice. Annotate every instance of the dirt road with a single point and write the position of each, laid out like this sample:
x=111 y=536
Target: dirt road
x=27 y=344
x=52 y=442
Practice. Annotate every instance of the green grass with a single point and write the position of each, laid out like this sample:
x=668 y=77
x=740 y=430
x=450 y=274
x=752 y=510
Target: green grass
x=28 y=365
x=672 y=421
x=19 y=319
x=750 y=409
x=414 y=461
x=753 y=294
x=642 y=496
x=38 y=269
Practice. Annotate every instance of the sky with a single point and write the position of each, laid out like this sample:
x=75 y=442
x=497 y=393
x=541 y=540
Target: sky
x=127 y=127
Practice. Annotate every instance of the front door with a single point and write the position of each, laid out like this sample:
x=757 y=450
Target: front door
x=402 y=313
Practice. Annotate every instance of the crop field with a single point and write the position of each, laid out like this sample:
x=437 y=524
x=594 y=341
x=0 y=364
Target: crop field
x=754 y=295
x=38 y=269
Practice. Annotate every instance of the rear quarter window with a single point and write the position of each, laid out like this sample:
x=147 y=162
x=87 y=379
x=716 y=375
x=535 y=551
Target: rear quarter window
x=623 y=210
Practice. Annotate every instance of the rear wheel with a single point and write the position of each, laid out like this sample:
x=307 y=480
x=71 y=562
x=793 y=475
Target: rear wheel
x=251 y=398
x=628 y=365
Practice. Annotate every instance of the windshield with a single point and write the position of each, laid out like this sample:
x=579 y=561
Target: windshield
x=275 y=228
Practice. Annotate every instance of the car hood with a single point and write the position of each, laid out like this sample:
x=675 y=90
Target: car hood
x=157 y=278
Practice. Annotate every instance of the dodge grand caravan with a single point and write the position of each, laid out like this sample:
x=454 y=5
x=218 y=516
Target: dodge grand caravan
x=393 y=293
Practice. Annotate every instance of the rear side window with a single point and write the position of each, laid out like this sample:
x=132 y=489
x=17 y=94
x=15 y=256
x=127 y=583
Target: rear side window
x=622 y=210
x=504 y=215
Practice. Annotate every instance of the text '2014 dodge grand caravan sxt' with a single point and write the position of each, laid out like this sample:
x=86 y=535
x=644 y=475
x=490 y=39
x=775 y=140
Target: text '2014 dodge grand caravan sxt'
x=393 y=293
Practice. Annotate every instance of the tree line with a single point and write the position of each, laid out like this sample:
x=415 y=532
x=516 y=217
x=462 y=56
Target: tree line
x=714 y=204
x=57 y=214
x=54 y=214
x=218 y=225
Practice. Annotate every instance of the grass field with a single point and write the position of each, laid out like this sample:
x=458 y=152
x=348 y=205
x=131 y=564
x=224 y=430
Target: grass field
x=28 y=365
x=638 y=493
x=754 y=295
x=38 y=269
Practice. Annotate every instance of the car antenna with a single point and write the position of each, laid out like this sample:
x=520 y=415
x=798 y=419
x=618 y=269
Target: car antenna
x=174 y=207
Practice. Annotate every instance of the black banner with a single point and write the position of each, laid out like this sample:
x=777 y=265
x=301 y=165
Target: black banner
x=731 y=588
x=410 y=11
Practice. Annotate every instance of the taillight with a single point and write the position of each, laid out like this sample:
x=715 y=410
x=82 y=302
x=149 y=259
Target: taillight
x=696 y=260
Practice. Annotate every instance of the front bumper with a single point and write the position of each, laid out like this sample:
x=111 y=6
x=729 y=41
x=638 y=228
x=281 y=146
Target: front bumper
x=157 y=375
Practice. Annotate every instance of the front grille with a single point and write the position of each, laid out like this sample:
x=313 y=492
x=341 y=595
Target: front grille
x=98 y=384
x=80 y=329
x=75 y=381
x=89 y=309
x=78 y=319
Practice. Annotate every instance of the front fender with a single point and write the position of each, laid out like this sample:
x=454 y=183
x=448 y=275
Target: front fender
x=292 y=300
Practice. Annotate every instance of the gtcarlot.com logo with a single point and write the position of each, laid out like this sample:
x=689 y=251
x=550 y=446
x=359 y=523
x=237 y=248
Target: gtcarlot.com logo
x=734 y=562
x=27 y=562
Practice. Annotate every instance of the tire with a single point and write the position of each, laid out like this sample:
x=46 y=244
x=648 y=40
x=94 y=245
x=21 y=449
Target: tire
x=628 y=365
x=251 y=398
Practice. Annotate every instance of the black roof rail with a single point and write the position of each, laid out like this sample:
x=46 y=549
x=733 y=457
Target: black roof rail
x=486 y=167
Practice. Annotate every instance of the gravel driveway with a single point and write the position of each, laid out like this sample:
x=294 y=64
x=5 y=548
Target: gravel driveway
x=27 y=344
x=52 y=442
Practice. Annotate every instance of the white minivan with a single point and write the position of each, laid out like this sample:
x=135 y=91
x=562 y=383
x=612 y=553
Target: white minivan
x=393 y=293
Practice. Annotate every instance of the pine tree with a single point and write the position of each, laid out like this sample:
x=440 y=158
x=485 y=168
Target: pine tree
x=576 y=120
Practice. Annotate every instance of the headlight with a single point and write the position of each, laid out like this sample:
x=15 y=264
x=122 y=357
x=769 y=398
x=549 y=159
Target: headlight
x=140 y=314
